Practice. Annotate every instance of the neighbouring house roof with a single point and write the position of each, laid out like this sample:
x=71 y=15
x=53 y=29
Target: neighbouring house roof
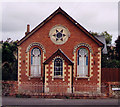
x=102 y=39
x=60 y=53
x=59 y=10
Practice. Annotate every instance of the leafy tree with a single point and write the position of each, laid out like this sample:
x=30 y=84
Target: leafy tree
x=9 y=61
x=110 y=60
x=0 y=60
x=118 y=47
x=94 y=33
x=109 y=63
x=108 y=37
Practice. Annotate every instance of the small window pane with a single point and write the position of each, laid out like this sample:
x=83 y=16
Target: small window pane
x=86 y=60
x=58 y=67
x=57 y=73
x=78 y=58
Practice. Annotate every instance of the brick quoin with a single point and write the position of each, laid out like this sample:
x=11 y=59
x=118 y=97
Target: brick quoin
x=77 y=35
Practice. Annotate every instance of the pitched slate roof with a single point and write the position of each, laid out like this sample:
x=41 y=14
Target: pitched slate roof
x=102 y=39
x=60 y=53
x=59 y=10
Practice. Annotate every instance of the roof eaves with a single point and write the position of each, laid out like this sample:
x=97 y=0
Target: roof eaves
x=65 y=55
x=80 y=27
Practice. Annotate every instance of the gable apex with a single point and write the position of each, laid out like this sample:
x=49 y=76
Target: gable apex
x=61 y=11
x=60 y=53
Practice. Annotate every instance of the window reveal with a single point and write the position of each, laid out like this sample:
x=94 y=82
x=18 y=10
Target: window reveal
x=82 y=62
x=35 y=62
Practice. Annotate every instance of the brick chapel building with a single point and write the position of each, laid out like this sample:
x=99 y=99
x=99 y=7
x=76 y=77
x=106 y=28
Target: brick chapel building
x=60 y=55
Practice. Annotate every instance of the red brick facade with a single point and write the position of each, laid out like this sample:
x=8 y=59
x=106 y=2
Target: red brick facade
x=79 y=37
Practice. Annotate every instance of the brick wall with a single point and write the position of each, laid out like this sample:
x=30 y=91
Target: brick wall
x=54 y=84
x=9 y=88
x=76 y=37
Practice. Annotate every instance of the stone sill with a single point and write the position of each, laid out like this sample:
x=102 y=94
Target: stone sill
x=82 y=77
x=59 y=77
x=30 y=77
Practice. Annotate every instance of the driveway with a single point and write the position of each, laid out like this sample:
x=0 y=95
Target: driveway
x=39 y=101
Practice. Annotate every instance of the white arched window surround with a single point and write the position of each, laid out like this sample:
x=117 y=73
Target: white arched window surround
x=83 y=57
x=58 y=67
x=35 y=62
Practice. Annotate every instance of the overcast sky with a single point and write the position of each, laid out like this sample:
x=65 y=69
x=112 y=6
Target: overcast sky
x=94 y=16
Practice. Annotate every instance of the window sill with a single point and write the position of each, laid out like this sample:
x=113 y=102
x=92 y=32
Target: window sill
x=84 y=77
x=35 y=76
x=58 y=77
x=30 y=77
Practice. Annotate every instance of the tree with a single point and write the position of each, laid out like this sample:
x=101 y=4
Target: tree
x=118 y=47
x=110 y=60
x=0 y=60
x=108 y=63
x=108 y=37
x=9 y=61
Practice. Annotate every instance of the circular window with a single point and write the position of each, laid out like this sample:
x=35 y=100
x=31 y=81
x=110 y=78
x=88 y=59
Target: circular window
x=59 y=34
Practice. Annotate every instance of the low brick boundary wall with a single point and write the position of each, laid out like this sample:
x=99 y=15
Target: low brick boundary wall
x=10 y=88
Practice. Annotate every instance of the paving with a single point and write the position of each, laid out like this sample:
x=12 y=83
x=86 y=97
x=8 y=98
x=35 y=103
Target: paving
x=40 y=101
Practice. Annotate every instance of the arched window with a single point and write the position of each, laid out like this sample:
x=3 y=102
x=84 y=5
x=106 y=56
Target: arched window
x=35 y=62
x=58 y=67
x=82 y=62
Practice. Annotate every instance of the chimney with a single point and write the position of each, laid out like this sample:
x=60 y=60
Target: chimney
x=28 y=29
